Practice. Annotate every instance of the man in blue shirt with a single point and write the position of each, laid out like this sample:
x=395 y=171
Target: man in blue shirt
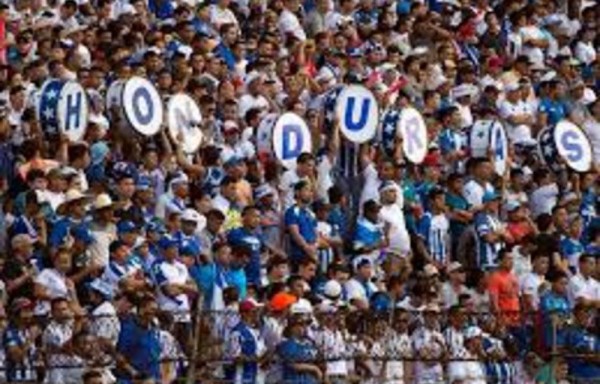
x=552 y=109
x=249 y=235
x=301 y=224
x=581 y=340
x=368 y=236
x=555 y=309
x=139 y=345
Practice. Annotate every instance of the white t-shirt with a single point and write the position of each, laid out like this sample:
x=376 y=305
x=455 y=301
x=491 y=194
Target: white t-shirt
x=355 y=290
x=592 y=129
x=473 y=192
x=393 y=215
x=516 y=133
x=530 y=285
x=543 y=199
x=286 y=184
x=289 y=24
x=55 y=284
x=471 y=372
x=173 y=273
x=585 y=52
x=247 y=102
x=220 y=16
x=580 y=287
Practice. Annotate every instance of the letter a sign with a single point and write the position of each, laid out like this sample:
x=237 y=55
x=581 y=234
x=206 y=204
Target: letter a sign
x=291 y=137
x=414 y=135
x=357 y=113
x=573 y=146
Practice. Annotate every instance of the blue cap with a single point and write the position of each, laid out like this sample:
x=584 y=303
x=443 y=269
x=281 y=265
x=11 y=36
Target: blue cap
x=143 y=184
x=232 y=161
x=98 y=152
x=125 y=226
x=82 y=233
x=190 y=248
x=387 y=185
x=490 y=196
x=167 y=241
x=123 y=169
x=354 y=52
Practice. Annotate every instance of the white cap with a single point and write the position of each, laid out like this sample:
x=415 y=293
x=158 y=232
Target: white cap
x=301 y=307
x=332 y=289
x=102 y=201
x=473 y=332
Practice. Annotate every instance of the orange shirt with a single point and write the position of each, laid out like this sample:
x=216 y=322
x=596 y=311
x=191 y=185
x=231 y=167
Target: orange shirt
x=504 y=290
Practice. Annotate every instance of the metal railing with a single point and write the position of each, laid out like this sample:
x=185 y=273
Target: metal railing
x=198 y=353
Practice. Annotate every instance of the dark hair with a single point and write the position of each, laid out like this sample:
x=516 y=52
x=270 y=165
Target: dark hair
x=58 y=300
x=275 y=261
x=304 y=158
x=90 y=375
x=249 y=209
x=35 y=174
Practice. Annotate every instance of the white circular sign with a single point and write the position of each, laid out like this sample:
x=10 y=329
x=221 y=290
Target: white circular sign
x=413 y=131
x=573 y=146
x=499 y=146
x=264 y=134
x=143 y=106
x=358 y=113
x=184 y=117
x=291 y=137
x=73 y=110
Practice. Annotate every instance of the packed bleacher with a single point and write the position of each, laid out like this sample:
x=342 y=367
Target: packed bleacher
x=299 y=192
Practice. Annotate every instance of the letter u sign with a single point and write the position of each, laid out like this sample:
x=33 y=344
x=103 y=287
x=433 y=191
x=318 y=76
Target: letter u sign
x=357 y=113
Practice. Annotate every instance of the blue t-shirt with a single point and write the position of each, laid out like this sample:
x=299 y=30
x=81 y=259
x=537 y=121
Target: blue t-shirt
x=459 y=203
x=552 y=303
x=141 y=346
x=571 y=249
x=580 y=341
x=555 y=109
x=292 y=351
x=306 y=221
x=254 y=242
x=366 y=234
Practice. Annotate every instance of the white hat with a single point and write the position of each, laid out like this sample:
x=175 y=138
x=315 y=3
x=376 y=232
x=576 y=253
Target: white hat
x=102 y=201
x=454 y=266
x=473 y=332
x=463 y=90
x=254 y=75
x=99 y=120
x=301 y=307
x=512 y=87
x=430 y=270
x=332 y=289
x=326 y=307
x=127 y=9
x=548 y=76
x=102 y=287
x=192 y=215
x=73 y=195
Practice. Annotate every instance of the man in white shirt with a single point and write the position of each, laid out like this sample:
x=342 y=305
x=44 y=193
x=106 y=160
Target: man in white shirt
x=545 y=196
x=289 y=25
x=514 y=111
x=220 y=14
x=475 y=188
x=360 y=288
x=533 y=282
x=393 y=217
x=305 y=169
x=471 y=370
x=253 y=98
x=583 y=287
x=592 y=128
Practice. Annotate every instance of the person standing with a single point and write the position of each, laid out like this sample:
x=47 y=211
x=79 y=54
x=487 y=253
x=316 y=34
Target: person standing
x=301 y=224
x=504 y=290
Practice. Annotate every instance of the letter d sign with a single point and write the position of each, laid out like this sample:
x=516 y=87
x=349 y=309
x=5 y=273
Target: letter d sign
x=291 y=137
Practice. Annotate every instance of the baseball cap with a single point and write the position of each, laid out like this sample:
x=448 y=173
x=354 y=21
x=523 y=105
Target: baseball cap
x=387 y=185
x=190 y=248
x=102 y=287
x=512 y=205
x=473 y=332
x=301 y=307
x=82 y=233
x=249 y=304
x=125 y=226
x=489 y=196
x=282 y=301
x=167 y=242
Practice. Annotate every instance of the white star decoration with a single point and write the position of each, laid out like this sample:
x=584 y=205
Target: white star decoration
x=48 y=113
x=51 y=95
